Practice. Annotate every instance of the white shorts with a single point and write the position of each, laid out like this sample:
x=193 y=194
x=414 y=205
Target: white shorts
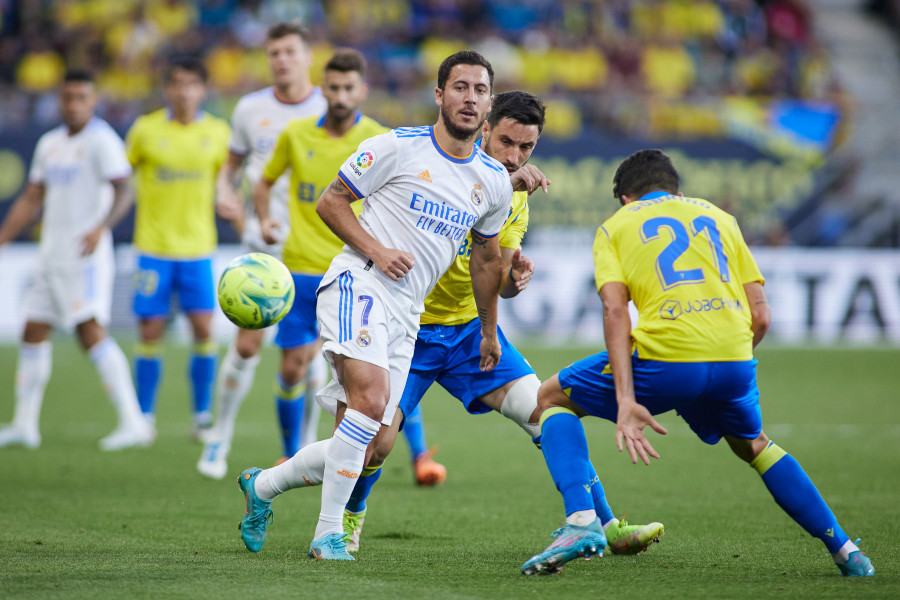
x=66 y=296
x=358 y=319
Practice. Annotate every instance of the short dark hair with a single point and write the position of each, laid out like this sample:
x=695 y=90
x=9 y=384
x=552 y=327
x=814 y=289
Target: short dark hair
x=521 y=107
x=78 y=76
x=464 y=57
x=280 y=30
x=346 y=60
x=643 y=172
x=191 y=64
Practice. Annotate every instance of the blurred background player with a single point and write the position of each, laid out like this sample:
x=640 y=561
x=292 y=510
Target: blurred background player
x=674 y=257
x=257 y=121
x=80 y=177
x=176 y=153
x=312 y=148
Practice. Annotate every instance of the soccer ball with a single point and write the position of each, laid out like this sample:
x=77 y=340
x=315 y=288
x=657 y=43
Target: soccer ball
x=256 y=290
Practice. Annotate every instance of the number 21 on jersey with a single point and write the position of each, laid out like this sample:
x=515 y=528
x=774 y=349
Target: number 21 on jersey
x=669 y=276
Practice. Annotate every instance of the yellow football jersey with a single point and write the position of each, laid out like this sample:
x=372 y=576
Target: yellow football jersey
x=314 y=158
x=175 y=174
x=685 y=263
x=451 y=302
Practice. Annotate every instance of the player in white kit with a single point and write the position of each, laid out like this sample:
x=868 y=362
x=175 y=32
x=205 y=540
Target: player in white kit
x=425 y=189
x=257 y=121
x=80 y=177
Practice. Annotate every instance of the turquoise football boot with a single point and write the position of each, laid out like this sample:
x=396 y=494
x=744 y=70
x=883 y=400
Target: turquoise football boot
x=257 y=514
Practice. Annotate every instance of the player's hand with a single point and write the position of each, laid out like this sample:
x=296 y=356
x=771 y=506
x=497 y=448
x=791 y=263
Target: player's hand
x=270 y=231
x=90 y=241
x=229 y=207
x=528 y=179
x=630 y=423
x=522 y=270
x=490 y=351
x=394 y=263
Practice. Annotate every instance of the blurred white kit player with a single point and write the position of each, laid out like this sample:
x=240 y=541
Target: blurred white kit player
x=257 y=121
x=72 y=176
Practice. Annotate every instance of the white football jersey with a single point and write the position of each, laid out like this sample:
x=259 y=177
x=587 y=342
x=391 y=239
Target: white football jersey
x=423 y=200
x=257 y=121
x=76 y=171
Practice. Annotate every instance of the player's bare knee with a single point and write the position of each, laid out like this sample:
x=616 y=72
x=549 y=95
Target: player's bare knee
x=746 y=449
x=551 y=395
x=90 y=333
x=248 y=343
x=35 y=333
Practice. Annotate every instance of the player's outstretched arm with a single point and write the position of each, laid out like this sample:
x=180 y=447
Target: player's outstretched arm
x=760 y=312
x=23 y=211
x=123 y=198
x=632 y=417
x=517 y=269
x=485 y=268
x=334 y=209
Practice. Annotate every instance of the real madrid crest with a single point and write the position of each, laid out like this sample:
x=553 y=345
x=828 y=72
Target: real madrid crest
x=363 y=338
x=477 y=194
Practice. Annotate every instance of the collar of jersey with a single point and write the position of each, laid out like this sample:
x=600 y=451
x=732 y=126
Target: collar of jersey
x=321 y=121
x=170 y=114
x=653 y=195
x=447 y=155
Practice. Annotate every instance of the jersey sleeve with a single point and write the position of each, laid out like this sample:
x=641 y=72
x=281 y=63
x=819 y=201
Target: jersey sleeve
x=133 y=142
x=746 y=266
x=491 y=222
x=38 y=162
x=281 y=157
x=517 y=224
x=111 y=160
x=240 y=142
x=372 y=165
x=607 y=267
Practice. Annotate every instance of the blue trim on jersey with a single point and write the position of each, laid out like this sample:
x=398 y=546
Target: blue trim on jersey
x=345 y=309
x=353 y=189
x=487 y=237
x=454 y=159
x=405 y=132
x=653 y=195
x=321 y=121
x=490 y=162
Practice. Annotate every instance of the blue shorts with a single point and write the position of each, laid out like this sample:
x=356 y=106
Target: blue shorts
x=158 y=278
x=450 y=355
x=300 y=327
x=714 y=398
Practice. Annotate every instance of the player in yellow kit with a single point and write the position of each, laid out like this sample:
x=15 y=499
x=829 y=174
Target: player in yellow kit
x=312 y=148
x=176 y=152
x=702 y=310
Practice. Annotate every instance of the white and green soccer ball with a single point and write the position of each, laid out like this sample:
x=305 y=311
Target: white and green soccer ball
x=256 y=290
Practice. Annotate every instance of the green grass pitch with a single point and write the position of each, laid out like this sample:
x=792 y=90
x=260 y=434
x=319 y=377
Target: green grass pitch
x=78 y=523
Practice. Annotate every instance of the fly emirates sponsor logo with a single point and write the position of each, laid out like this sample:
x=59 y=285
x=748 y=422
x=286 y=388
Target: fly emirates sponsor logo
x=440 y=219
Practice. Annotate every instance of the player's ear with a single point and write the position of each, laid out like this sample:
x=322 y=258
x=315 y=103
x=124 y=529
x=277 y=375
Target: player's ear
x=438 y=96
x=485 y=129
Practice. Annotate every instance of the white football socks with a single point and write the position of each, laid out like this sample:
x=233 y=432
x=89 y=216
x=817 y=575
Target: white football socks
x=841 y=556
x=582 y=518
x=304 y=469
x=115 y=372
x=235 y=378
x=344 y=459
x=32 y=375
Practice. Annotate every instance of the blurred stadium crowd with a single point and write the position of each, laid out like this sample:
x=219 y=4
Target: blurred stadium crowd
x=628 y=67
